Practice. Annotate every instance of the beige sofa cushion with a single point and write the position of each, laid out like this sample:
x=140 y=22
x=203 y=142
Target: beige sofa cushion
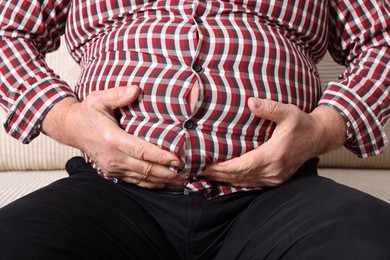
x=342 y=158
x=41 y=154
x=45 y=154
x=15 y=184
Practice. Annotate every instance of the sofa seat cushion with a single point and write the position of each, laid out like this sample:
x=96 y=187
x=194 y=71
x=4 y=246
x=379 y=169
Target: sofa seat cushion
x=371 y=181
x=15 y=184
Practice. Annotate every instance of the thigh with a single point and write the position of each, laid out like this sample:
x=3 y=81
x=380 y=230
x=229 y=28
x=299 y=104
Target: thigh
x=311 y=218
x=80 y=217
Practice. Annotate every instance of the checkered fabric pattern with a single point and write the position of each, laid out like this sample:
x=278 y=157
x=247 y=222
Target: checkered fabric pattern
x=233 y=49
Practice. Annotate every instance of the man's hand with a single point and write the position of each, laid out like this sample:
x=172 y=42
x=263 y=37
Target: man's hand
x=91 y=126
x=298 y=136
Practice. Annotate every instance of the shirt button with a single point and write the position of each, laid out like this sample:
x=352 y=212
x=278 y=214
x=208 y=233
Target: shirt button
x=189 y=124
x=197 y=68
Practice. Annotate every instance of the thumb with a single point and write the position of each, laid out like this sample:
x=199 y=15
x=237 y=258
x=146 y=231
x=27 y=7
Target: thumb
x=269 y=109
x=117 y=97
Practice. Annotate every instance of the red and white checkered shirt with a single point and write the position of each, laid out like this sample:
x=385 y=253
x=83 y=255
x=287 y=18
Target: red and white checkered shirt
x=235 y=49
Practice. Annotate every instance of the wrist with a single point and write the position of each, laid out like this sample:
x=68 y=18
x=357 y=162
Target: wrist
x=55 y=123
x=331 y=128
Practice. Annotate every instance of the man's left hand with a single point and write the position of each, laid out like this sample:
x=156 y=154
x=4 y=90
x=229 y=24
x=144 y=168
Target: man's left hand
x=298 y=136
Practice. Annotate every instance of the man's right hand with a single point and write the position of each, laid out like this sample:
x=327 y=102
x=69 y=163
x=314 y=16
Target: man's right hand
x=91 y=126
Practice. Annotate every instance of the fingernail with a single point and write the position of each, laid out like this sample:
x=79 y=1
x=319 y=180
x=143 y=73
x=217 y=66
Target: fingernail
x=175 y=163
x=256 y=102
x=131 y=90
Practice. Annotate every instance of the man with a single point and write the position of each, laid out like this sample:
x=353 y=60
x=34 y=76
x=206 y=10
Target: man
x=219 y=128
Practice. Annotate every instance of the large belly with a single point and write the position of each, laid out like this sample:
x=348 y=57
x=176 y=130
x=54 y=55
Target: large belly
x=236 y=60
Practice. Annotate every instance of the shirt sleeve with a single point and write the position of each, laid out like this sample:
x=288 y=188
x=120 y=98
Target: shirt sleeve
x=28 y=87
x=360 y=39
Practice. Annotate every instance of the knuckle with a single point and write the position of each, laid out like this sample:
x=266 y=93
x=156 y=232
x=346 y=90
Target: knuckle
x=131 y=180
x=270 y=107
x=143 y=177
x=150 y=179
x=273 y=107
x=130 y=175
x=294 y=113
x=93 y=98
x=109 y=140
x=116 y=96
x=137 y=176
x=140 y=151
x=147 y=170
x=108 y=164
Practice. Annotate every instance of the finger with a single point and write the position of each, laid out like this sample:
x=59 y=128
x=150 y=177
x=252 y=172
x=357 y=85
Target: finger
x=222 y=177
x=232 y=165
x=144 y=169
x=151 y=178
x=269 y=109
x=250 y=181
x=248 y=168
x=151 y=185
x=142 y=150
x=137 y=178
x=115 y=97
x=243 y=164
x=150 y=182
x=236 y=179
x=222 y=172
x=145 y=184
x=160 y=185
x=116 y=139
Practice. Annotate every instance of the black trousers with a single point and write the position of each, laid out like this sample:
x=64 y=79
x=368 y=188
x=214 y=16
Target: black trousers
x=87 y=217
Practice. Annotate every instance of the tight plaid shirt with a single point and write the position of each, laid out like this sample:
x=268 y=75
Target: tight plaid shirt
x=233 y=49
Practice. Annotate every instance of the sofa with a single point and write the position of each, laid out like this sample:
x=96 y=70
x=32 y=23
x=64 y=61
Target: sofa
x=25 y=168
